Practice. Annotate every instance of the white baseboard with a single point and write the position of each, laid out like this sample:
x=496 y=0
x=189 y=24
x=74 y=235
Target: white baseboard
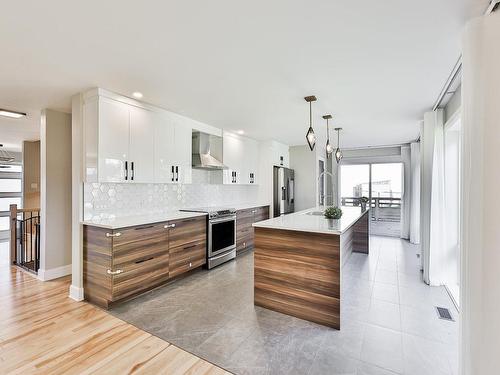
x=54 y=273
x=76 y=293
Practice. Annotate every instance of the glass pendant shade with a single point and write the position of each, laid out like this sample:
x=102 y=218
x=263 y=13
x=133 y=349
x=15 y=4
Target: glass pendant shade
x=328 y=146
x=311 y=138
x=329 y=149
x=338 y=155
x=338 y=152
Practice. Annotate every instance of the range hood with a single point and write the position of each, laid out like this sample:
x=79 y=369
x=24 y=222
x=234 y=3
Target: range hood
x=207 y=151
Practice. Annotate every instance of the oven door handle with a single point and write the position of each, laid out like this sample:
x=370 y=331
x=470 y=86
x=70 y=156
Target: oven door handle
x=222 y=220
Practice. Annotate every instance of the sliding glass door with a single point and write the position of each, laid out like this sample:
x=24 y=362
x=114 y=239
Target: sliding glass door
x=382 y=184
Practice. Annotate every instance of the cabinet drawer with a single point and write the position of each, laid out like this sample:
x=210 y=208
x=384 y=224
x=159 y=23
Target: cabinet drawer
x=187 y=257
x=244 y=242
x=187 y=230
x=140 y=275
x=139 y=243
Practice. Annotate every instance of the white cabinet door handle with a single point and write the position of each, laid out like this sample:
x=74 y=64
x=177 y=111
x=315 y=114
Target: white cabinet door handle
x=117 y=272
x=169 y=226
x=113 y=234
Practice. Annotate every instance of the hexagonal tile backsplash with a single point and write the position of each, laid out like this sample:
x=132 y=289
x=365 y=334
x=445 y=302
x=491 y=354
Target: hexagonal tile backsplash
x=108 y=199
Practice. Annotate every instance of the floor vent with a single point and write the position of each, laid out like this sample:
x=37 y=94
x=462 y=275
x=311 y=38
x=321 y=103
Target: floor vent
x=444 y=313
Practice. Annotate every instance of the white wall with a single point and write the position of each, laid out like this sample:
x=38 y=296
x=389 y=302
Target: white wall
x=452 y=203
x=480 y=275
x=304 y=163
x=55 y=195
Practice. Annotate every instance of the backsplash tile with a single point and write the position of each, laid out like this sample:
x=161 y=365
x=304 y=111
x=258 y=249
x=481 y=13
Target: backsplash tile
x=105 y=200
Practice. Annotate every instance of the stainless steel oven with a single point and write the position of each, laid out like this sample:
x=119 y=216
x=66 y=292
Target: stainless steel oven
x=221 y=234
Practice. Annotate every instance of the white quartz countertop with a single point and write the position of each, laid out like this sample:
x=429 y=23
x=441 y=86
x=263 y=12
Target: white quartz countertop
x=133 y=220
x=304 y=221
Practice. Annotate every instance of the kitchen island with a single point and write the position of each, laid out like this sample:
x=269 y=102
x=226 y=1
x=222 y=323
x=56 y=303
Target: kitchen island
x=298 y=261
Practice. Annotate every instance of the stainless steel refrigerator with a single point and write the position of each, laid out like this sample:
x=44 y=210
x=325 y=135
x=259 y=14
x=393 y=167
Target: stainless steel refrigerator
x=283 y=191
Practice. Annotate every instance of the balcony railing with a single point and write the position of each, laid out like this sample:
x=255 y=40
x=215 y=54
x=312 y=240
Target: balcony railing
x=25 y=237
x=382 y=208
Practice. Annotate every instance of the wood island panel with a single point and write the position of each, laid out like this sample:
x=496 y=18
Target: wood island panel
x=361 y=231
x=298 y=273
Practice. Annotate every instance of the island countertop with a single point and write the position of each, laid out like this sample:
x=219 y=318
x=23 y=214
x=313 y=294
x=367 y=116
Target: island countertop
x=312 y=220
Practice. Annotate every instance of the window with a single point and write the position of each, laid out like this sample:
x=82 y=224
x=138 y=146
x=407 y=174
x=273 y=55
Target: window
x=6 y=202
x=382 y=184
x=10 y=168
x=10 y=185
x=4 y=223
x=10 y=193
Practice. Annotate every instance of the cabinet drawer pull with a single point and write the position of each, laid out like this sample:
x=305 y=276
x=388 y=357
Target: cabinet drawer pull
x=190 y=246
x=146 y=227
x=190 y=264
x=117 y=272
x=169 y=226
x=144 y=260
x=113 y=234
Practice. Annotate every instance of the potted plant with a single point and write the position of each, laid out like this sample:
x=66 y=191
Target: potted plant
x=333 y=213
x=363 y=201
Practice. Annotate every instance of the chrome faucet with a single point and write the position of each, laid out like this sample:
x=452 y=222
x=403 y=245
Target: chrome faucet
x=321 y=198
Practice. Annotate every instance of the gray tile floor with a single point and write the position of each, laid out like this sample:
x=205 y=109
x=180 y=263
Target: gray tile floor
x=389 y=325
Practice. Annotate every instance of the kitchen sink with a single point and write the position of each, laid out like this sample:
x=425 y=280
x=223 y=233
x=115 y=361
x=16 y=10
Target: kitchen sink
x=315 y=213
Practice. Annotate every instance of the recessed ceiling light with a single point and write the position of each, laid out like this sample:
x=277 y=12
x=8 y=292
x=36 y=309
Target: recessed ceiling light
x=137 y=95
x=241 y=132
x=11 y=114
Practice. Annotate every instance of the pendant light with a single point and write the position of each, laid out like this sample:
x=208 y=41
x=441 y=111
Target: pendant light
x=310 y=136
x=338 y=152
x=329 y=147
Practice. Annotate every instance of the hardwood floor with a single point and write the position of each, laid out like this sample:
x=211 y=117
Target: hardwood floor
x=43 y=331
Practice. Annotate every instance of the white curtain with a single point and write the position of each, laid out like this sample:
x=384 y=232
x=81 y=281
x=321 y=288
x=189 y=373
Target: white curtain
x=437 y=240
x=406 y=198
x=415 y=193
x=432 y=196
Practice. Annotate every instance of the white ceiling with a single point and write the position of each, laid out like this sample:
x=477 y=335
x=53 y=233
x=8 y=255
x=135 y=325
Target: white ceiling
x=375 y=65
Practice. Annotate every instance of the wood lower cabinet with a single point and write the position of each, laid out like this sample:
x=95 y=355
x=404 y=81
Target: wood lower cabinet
x=187 y=257
x=121 y=263
x=244 y=229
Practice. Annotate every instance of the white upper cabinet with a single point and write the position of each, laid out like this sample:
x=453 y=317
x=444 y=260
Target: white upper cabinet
x=141 y=150
x=241 y=156
x=113 y=140
x=172 y=150
x=164 y=169
x=127 y=141
x=132 y=142
x=182 y=149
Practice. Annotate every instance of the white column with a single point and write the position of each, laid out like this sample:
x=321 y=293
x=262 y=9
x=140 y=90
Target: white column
x=76 y=288
x=55 y=195
x=415 y=194
x=480 y=272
